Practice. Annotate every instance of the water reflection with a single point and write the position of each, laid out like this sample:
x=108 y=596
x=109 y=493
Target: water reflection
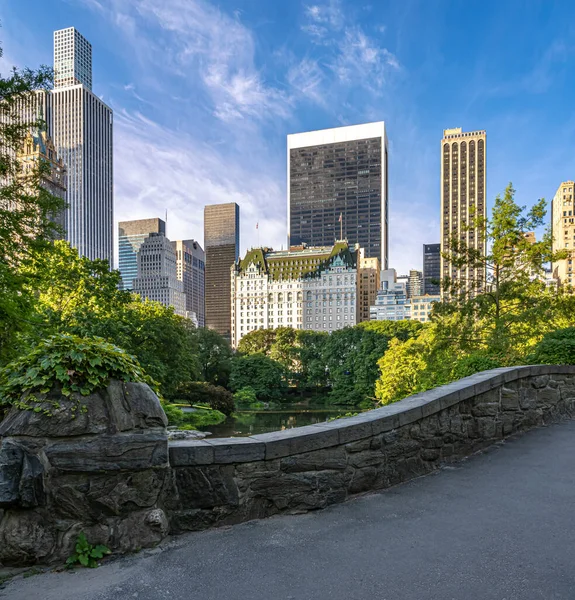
x=251 y=422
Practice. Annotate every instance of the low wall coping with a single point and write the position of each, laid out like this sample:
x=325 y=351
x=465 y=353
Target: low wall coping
x=279 y=444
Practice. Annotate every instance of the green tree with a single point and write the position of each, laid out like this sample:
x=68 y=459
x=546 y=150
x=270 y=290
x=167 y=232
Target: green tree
x=509 y=307
x=264 y=375
x=556 y=348
x=312 y=372
x=258 y=341
x=214 y=356
x=200 y=392
x=26 y=208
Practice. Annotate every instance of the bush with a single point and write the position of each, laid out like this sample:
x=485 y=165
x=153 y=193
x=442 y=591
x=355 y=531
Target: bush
x=69 y=364
x=556 y=348
x=192 y=420
x=246 y=395
x=200 y=392
x=474 y=363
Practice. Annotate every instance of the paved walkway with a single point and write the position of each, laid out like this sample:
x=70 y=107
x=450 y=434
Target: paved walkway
x=499 y=526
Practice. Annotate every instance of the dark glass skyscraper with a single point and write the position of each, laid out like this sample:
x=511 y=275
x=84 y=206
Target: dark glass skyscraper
x=337 y=188
x=222 y=244
x=431 y=268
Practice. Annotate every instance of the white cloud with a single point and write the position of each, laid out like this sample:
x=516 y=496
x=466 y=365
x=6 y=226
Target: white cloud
x=158 y=169
x=306 y=77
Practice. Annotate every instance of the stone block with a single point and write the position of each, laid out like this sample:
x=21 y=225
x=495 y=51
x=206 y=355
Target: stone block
x=363 y=480
x=430 y=454
x=368 y=458
x=360 y=445
x=130 y=451
x=486 y=428
x=509 y=399
x=540 y=382
x=186 y=453
x=11 y=459
x=235 y=450
x=353 y=428
x=134 y=406
x=332 y=459
x=485 y=409
x=206 y=486
x=528 y=398
x=548 y=396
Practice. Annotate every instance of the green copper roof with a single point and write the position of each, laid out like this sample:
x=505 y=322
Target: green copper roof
x=297 y=264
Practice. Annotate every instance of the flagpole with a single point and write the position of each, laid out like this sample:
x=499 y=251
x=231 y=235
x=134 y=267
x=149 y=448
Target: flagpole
x=341 y=226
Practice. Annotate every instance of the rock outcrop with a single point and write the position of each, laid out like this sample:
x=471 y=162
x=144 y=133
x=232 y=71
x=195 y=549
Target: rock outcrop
x=99 y=469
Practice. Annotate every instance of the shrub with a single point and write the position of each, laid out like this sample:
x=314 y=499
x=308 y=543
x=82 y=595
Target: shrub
x=474 y=363
x=200 y=392
x=69 y=364
x=556 y=348
x=246 y=395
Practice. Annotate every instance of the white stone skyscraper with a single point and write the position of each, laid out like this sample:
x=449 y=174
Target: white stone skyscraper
x=80 y=125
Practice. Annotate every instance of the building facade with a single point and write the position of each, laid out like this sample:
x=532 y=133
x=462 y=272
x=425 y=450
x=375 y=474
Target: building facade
x=419 y=307
x=131 y=236
x=81 y=127
x=302 y=288
x=431 y=269
x=391 y=303
x=463 y=189
x=39 y=148
x=337 y=187
x=191 y=269
x=157 y=274
x=414 y=283
x=368 y=285
x=222 y=246
x=563 y=230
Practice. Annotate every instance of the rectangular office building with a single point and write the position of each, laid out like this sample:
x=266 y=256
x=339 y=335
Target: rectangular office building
x=222 y=246
x=131 y=236
x=431 y=268
x=337 y=188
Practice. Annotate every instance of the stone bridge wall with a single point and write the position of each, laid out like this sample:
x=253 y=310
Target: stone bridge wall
x=112 y=474
x=223 y=481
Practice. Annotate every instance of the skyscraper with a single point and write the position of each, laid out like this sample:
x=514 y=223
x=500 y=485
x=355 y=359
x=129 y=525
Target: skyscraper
x=191 y=266
x=414 y=283
x=368 y=283
x=80 y=125
x=131 y=236
x=337 y=188
x=463 y=186
x=431 y=268
x=222 y=244
x=563 y=229
x=157 y=274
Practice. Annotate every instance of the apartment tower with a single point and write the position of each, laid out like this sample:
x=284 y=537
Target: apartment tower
x=337 y=188
x=131 y=236
x=191 y=267
x=222 y=245
x=563 y=229
x=463 y=185
x=80 y=125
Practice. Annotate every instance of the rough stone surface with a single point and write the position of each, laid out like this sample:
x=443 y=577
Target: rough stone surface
x=111 y=473
x=101 y=472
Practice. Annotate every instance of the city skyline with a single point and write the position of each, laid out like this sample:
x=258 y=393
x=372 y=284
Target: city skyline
x=213 y=148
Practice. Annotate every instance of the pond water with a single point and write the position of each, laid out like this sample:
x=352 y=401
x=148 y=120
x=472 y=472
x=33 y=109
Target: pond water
x=251 y=422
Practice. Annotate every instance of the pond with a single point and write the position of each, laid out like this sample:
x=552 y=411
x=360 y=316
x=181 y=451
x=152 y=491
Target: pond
x=251 y=422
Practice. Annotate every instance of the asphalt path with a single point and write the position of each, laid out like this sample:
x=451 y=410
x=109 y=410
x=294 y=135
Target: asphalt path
x=497 y=526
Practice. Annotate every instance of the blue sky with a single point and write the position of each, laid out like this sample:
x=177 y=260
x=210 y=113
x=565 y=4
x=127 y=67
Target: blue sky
x=204 y=94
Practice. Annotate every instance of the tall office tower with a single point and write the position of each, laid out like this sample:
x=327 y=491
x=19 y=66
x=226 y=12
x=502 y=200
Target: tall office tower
x=431 y=269
x=157 y=274
x=563 y=229
x=414 y=283
x=222 y=244
x=80 y=125
x=391 y=303
x=131 y=236
x=462 y=199
x=190 y=263
x=368 y=284
x=337 y=188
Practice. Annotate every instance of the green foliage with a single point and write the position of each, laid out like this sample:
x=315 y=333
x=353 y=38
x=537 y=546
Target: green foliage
x=68 y=364
x=26 y=208
x=246 y=395
x=192 y=420
x=214 y=356
x=556 y=348
x=265 y=376
x=86 y=554
x=81 y=296
x=200 y=392
x=474 y=363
